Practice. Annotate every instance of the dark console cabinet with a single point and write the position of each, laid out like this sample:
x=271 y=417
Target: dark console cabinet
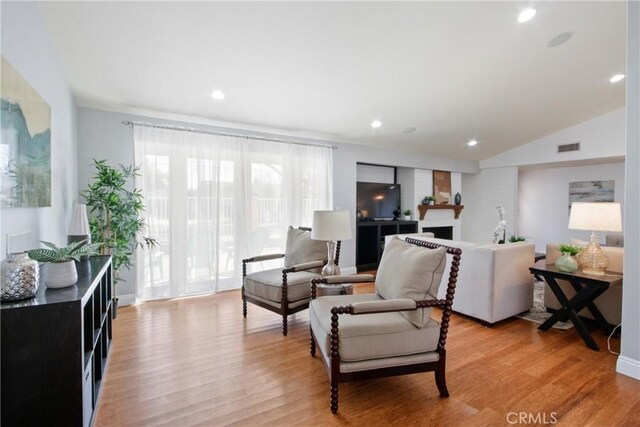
x=54 y=350
x=370 y=240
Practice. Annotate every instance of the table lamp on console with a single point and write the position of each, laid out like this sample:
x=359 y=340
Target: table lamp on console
x=594 y=217
x=331 y=226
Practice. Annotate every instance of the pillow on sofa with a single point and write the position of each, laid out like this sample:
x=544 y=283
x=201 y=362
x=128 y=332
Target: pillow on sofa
x=409 y=271
x=301 y=248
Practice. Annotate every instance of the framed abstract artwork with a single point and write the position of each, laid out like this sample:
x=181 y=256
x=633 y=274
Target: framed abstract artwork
x=442 y=186
x=25 y=143
x=591 y=191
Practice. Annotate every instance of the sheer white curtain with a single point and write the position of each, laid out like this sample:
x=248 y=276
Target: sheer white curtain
x=213 y=200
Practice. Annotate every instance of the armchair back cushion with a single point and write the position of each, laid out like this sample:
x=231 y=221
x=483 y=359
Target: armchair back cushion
x=408 y=271
x=301 y=248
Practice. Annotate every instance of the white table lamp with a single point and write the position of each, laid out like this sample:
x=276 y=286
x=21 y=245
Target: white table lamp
x=331 y=226
x=594 y=217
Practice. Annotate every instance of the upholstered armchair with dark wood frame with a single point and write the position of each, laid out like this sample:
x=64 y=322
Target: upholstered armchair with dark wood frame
x=366 y=336
x=286 y=290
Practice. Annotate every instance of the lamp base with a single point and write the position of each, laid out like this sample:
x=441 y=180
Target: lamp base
x=331 y=268
x=592 y=259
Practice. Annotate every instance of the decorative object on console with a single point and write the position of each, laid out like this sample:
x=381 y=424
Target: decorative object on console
x=79 y=227
x=429 y=200
x=567 y=263
x=407 y=214
x=442 y=186
x=457 y=199
x=60 y=270
x=331 y=226
x=594 y=217
x=20 y=277
x=499 y=233
x=514 y=238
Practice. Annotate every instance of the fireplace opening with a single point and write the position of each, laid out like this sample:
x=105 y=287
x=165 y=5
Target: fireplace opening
x=440 y=232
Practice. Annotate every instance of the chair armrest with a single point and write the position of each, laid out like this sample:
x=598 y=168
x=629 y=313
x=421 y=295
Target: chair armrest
x=383 y=306
x=263 y=258
x=304 y=266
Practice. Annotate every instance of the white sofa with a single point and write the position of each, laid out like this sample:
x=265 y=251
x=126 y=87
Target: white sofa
x=609 y=303
x=494 y=281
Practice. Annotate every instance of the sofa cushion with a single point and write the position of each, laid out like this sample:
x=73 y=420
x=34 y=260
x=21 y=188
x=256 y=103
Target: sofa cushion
x=370 y=336
x=267 y=284
x=409 y=271
x=300 y=248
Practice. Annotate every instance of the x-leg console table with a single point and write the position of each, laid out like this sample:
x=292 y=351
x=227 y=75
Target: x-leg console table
x=587 y=287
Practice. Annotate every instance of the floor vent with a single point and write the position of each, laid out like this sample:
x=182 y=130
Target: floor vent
x=569 y=147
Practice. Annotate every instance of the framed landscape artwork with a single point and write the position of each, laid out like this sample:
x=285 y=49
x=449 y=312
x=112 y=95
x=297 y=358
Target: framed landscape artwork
x=442 y=186
x=25 y=143
x=591 y=191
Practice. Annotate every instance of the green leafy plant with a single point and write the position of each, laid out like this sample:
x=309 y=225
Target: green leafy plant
x=407 y=212
x=115 y=214
x=514 y=238
x=72 y=251
x=566 y=248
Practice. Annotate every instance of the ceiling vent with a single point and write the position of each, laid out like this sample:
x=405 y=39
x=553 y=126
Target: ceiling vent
x=569 y=147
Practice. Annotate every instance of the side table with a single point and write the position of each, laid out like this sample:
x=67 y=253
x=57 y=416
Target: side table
x=587 y=287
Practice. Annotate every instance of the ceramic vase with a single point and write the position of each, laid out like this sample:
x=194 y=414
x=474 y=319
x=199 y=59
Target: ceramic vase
x=20 y=277
x=566 y=263
x=60 y=274
x=457 y=199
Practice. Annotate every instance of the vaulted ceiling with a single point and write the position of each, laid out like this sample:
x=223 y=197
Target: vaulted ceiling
x=454 y=71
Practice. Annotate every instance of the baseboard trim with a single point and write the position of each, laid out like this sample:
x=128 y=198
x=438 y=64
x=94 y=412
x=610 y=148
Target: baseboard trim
x=628 y=366
x=129 y=299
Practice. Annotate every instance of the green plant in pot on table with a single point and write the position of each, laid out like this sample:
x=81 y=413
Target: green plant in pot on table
x=115 y=215
x=567 y=263
x=60 y=267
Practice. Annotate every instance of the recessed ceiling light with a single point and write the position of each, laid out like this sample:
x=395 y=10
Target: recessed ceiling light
x=472 y=143
x=616 y=78
x=407 y=131
x=561 y=38
x=376 y=124
x=217 y=95
x=526 y=14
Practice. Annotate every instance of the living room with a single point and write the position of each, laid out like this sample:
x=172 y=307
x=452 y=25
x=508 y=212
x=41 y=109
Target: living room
x=396 y=91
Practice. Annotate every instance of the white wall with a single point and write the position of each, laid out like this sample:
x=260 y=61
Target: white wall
x=102 y=135
x=600 y=138
x=629 y=359
x=25 y=44
x=481 y=194
x=373 y=173
x=544 y=200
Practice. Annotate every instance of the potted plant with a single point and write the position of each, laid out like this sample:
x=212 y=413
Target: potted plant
x=115 y=215
x=431 y=199
x=567 y=263
x=514 y=238
x=407 y=215
x=60 y=267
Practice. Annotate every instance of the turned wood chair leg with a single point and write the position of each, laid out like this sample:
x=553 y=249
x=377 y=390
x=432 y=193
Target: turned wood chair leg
x=334 y=397
x=312 y=343
x=440 y=378
x=244 y=306
x=284 y=325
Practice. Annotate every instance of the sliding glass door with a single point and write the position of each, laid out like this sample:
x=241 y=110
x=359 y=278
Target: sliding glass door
x=213 y=200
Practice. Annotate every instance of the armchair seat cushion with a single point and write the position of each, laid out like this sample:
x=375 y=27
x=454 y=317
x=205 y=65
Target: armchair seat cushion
x=267 y=284
x=370 y=336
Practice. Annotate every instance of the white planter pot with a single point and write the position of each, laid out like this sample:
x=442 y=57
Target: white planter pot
x=60 y=275
x=407 y=217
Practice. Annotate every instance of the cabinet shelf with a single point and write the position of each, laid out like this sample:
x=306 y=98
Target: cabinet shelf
x=371 y=236
x=455 y=208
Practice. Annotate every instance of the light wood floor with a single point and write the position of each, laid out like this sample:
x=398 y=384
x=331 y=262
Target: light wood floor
x=196 y=361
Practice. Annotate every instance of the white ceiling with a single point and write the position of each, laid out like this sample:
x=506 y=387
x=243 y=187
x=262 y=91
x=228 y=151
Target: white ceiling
x=453 y=70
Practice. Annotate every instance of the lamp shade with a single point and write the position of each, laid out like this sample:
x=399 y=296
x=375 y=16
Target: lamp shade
x=331 y=225
x=595 y=216
x=79 y=221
